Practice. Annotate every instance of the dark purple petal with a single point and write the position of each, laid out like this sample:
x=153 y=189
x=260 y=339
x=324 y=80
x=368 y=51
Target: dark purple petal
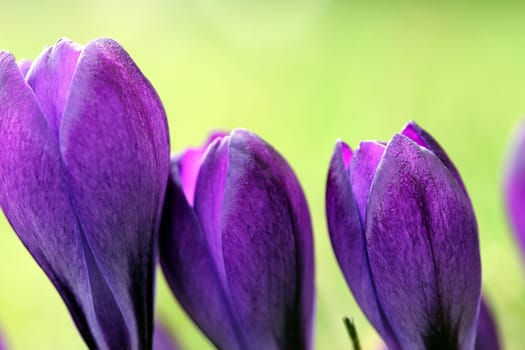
x=487 y=333
x=50 y=78
x=267 y=245
x=115 y=150
x=515 y=186
x=190 y=163
x=162 y=339
x=35 y=198
x=191 y=272
x=423 y=249
x=347 y=231
x=424 y=139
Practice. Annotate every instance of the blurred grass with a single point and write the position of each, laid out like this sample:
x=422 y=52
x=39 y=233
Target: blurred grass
x=302 y=74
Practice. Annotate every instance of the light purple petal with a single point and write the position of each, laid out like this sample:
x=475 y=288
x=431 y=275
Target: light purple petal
x=191 y=271
x=423 y=249
x=487 y=333
x=347 y=231
x=362 y=170
x=162 y=339
x=515 y=186
x=50 y=78
x=190 y=162
x=24 y=66
x=115 y=149
x=34 y=195
x=267 y=245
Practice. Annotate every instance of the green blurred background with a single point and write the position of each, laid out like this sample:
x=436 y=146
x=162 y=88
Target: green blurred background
x=301 y=74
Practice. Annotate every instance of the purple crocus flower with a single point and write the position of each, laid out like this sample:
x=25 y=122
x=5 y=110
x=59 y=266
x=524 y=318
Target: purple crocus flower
x=84 y=156
x=405 y=236
x=515 y=186
x=236 y=244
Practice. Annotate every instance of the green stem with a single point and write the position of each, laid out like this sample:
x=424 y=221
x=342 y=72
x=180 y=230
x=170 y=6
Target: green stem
x=352 y=332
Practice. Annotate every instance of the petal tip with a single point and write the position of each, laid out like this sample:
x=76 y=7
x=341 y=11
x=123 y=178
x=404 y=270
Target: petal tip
x=345 y=151
x=415 y=133
x=216 y=135
x=6 y=55
x=242 y=133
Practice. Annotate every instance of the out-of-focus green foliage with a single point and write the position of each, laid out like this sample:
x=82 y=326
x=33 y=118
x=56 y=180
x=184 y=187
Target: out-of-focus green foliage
x=301 y=75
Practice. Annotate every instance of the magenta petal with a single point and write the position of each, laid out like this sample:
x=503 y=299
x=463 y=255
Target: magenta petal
x=115 y=149
x=267 y=245
x=347 y=235
x=515 y=186
x=34 y=195
x=423 y=249
x=487 y=332
x=50 y=78
x=191 y=272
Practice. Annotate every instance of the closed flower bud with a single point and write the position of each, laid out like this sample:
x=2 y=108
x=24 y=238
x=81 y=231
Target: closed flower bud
x=236 y=244
x=84 y=161
x=404 y=233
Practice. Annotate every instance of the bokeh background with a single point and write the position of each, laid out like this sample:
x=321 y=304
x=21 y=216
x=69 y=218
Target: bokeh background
x=301 y=74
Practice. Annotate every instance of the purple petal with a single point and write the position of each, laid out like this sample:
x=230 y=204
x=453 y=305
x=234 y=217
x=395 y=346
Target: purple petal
x=35 y=198
x=515 y=186
x=487 y=333
x=2 y=343
x=24 y=66
x=115 y=149
x=423 y=249
x=362 y=170
x=347 y=231
x=267 y=245
x=162 y=339
x=209 y=197
x=50 y=78
x=346 y=154
x=424 y=139
x=190 y=163
x=191 y=272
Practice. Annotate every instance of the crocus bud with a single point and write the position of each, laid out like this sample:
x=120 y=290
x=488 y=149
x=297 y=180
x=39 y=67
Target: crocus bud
x=236 y=244
x=404 y=233
x=515 y=186
x=84 y=162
